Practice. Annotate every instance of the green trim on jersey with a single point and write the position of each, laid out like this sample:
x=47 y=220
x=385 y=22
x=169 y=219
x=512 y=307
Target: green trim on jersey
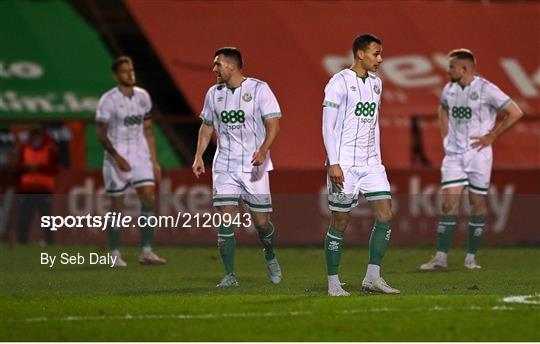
x=272 y=115
x=117 y=190
x=378 y=193
x=225 y=199
x=259 y=206
x=135 y=182
x=478 y=188
x=330 y=104
x=339 y=205
x=455 y=181
x=504 y=104
x=364 y=78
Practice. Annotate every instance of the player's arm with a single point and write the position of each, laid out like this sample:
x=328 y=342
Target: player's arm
x=149 y=136
x=511 y=114
x=108 y=146
x=330 y=114
x=205 y=134
x=443 y=121
x=272 y=130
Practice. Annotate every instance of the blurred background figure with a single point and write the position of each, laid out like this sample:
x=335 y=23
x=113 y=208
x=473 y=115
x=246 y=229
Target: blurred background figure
x=38 y=166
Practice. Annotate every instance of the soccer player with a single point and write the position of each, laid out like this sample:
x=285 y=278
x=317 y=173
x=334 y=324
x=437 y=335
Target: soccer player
x=245 y=115
x=467 y=113
x=124 y=128
x=351 y=108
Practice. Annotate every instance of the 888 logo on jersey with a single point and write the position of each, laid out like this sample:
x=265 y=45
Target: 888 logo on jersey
x=366 y=110
x=233 y=118
x=461 y=112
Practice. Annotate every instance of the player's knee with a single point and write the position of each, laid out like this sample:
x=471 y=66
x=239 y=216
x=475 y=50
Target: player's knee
x=340 y=220
x=449 y=208
x=384 y=215
x=478 y=209
x=261 y=221
x=147 y=202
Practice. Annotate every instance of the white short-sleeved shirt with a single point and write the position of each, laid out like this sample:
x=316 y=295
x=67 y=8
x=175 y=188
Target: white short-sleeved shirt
x=358 y=102
x=472 y=111
x=238 y=116
x=125 y=118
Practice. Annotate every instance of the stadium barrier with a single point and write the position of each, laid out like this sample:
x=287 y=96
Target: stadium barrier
x=300 y=213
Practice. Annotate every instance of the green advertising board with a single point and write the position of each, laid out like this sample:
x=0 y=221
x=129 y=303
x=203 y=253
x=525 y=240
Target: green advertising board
x=52 y=64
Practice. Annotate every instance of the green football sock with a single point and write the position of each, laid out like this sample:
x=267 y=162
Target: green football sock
x=333 y=245
x=445 y=232
x=227 y=244
x=147 y=232
x=113 y=234
x=476 y=228
x=378 y=242
x=266 y=235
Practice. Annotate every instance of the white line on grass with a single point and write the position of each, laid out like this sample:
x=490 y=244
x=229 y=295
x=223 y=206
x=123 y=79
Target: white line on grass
x=526 y=299
x=263 y=314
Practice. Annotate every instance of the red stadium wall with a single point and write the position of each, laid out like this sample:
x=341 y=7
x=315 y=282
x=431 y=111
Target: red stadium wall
x=297 y=45
x=300 y=208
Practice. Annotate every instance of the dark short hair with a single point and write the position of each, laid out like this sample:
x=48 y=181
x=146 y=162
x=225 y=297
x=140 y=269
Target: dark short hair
x=463 y=54
x=120 y=61
x=363 y=41
x=232 y=53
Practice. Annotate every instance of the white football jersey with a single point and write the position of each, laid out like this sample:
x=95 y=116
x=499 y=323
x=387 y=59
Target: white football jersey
x=238 y=116
x=358 y=102
x=472 y=111
x=125 y=118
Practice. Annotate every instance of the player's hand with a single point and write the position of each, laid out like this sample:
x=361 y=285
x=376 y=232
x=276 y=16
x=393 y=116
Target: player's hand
x=198 y=167
x=336 y=176
x=122 y=163
x=482 y=142
x=258 y=157
x=157 y=172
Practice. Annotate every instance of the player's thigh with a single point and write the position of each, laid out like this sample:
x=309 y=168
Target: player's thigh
x=478 y=203
x=117 y=202
x=479 y=164
x=256 y=192
x=374 y=183
x=115 y=181
x=342 y=200
x=225 y=190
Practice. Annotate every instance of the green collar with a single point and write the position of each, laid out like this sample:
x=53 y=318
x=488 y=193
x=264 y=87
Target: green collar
x=358 y=76
x=234 y=88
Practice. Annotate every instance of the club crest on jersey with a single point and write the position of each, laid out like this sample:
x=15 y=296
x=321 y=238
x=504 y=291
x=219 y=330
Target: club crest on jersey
x=112 y=185
x=247 y=97
x=142 y=103
x=377 y=89
x=473 y=96
x=341 y=196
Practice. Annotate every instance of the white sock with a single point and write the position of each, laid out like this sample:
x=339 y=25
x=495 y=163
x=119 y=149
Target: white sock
x=333 y=280
x=115 y=253
x=373 y=272
x=469 y=256
x=441 y=256
x=147 y=250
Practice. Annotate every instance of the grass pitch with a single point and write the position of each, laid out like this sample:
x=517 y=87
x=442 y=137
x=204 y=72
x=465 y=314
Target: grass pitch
x=179 y=301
